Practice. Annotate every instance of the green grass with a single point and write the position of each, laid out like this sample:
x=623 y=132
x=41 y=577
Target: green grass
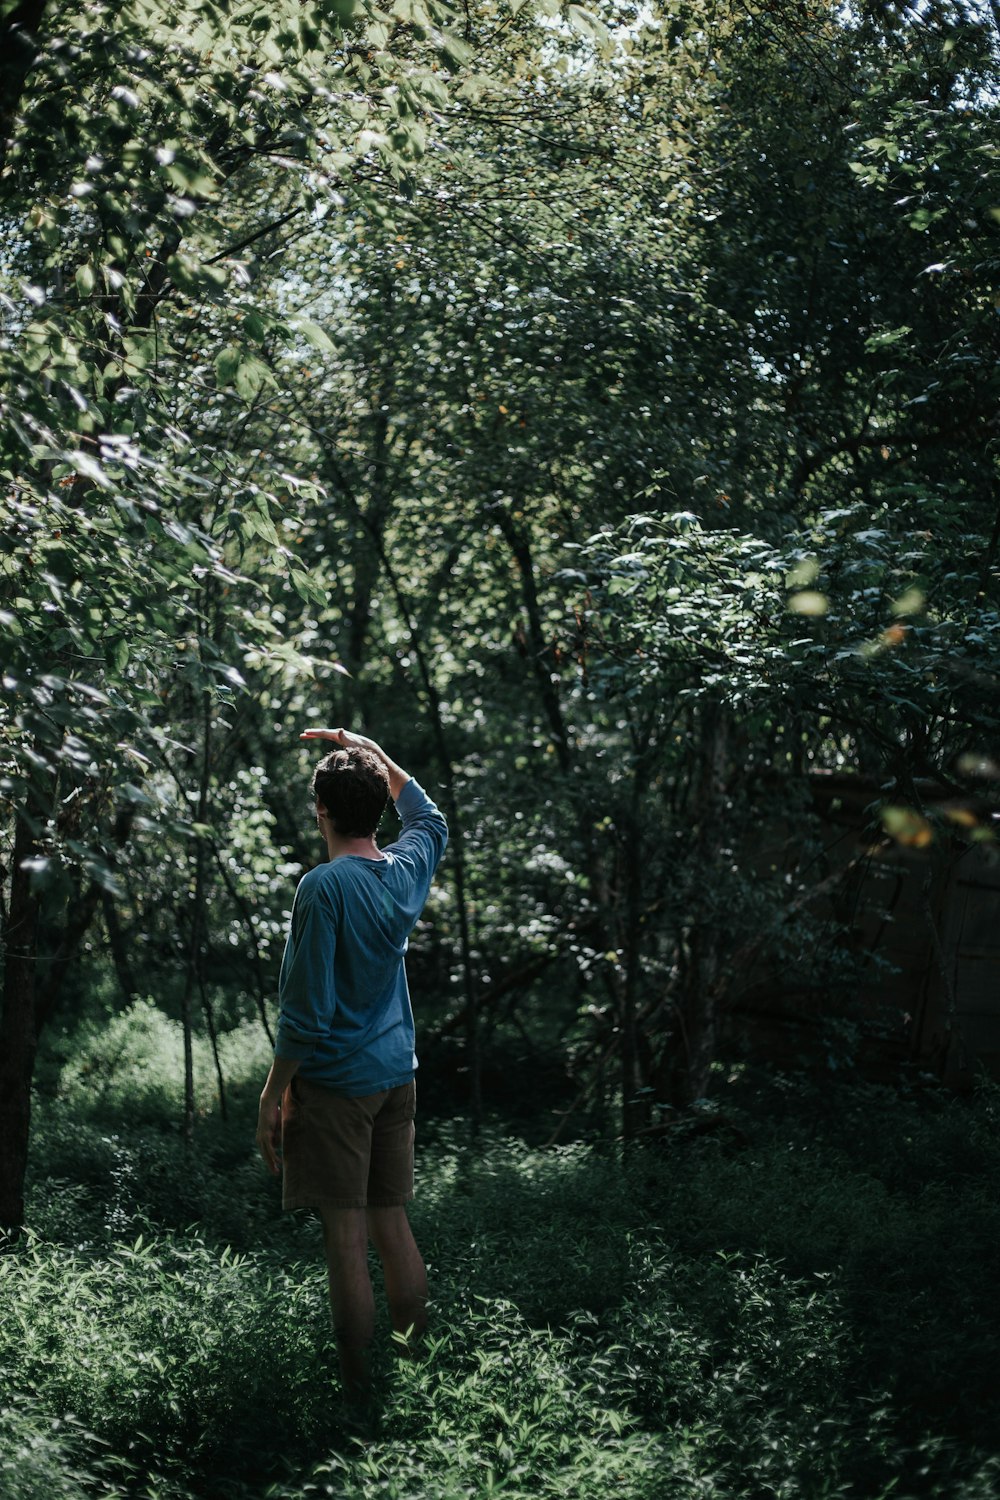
x=797 y=1303
x=212 y=1368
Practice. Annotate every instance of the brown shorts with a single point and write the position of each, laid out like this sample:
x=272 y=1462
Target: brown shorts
x=346 y=1153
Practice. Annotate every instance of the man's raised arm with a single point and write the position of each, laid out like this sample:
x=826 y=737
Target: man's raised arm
x=349 y=741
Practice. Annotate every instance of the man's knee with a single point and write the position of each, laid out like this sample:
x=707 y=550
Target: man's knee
x=352 y=1333
x=345 y=1230
x=389 y=1228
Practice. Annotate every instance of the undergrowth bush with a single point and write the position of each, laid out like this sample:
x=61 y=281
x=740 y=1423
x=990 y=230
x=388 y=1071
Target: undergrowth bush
x=785 y=1307
x=171 y=1350
x=46 y=1457
x=896 y=1195
x=532 y=1225
x=193 y=1362
x=90 y=1182
x=130 y=1063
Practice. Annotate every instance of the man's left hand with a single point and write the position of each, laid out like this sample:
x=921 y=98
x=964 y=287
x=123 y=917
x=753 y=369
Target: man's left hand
x=269 y=1131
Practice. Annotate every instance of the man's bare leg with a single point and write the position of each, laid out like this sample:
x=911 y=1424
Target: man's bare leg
x=404 y=1270
x=345 y=1236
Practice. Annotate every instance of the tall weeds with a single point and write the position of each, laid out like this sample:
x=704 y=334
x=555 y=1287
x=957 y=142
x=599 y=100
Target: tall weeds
x=797 y=1302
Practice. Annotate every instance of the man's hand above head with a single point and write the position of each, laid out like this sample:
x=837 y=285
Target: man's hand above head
x=350 y=741
x=344 y=737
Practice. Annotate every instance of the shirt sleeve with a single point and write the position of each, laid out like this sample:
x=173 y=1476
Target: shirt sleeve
x=425 y=832
x=307 y=999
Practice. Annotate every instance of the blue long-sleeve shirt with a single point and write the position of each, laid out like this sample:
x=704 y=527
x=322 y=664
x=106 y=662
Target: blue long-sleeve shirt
x=344 y=1004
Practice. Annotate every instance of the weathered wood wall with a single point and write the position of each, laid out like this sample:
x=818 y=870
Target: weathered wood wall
x=924 y=922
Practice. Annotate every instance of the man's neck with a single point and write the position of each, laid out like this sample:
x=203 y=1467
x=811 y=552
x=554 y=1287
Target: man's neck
x=337 y=847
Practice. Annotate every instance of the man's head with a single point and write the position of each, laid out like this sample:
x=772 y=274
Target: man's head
x=352 y=789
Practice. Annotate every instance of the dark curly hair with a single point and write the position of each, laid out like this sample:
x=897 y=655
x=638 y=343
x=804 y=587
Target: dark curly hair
x=352 y=788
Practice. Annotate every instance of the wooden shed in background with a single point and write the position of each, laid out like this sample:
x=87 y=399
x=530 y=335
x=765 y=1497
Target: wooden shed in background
x=922 y=919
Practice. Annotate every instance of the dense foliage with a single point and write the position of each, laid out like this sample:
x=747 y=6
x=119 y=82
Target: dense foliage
x=791 y=1299
x=599 y=405
x=356 y=368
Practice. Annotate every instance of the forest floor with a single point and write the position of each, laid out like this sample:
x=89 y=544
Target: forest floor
x=793 y=1295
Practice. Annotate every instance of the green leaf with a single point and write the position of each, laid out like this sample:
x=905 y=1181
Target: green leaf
x=808 y=602
x=227 y=364
x=307 y=587
x=133 y=793
x=315 y=335
x=457 y=51
x=251 y=377
x=255 y=327
x=194 y=278
x=248 y=374
x=139 y=352
x=103 y=875
x=192 y=176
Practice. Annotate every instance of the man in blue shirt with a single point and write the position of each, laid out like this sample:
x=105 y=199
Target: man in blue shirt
x=340 y=1095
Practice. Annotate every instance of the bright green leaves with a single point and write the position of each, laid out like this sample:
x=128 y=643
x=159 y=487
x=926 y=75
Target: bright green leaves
x=589 y=25
x=255 y=520
x=887 y=338
x=118 y=655
x=192 y=174
x=244 y=372
x=49 y=345
x=44 y=220
x=722 y=615
x=314 y=335
x=250 y=379
x=803 y=600
x=194 y=277
x=703 y=609
x=138 y=353
x=308 y=587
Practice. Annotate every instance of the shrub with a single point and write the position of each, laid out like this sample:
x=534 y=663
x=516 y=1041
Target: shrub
x=43 y=1457
x=173 y=1352
x=782 y=1309
x=130 y=1066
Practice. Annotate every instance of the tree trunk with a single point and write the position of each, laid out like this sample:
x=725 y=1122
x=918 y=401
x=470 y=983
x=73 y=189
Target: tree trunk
x=18 y=47
x=18 y=1028
x=542 y=661
x=193 y=977
x=81 y=910
x=635 y=1106
x=459 y=876
x=701 y=998
x=119 y=950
